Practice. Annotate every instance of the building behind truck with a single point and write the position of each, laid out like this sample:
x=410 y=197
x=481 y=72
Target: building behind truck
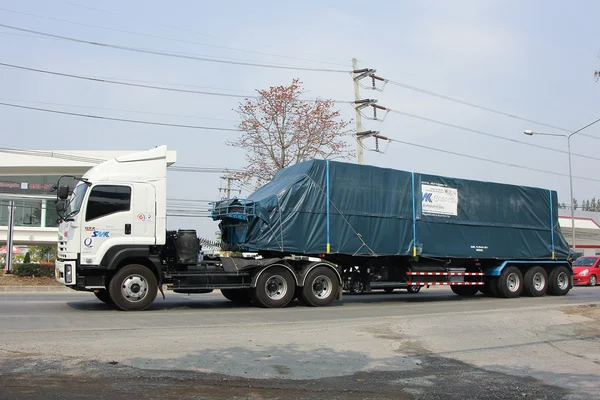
x=316 y=228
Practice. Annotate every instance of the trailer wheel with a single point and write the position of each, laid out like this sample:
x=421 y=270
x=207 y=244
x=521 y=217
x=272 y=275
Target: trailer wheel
x=238 y=296
x=558 y=281
x=510 y=283
x=389 y=290
x=274 y=288
x=103 y=296
x=492 y=287
x=535 y=282
x=467 y=290
x=414 y=289
x=133 y=288
x=320 y=287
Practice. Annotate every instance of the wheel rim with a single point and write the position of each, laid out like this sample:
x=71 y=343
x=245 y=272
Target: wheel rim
x=593 y=280
x=134 y=288
x=562 y=281
x=539 y=281
x=513 y=282
x=415 y=288
x=276 y=287
x=322 y=287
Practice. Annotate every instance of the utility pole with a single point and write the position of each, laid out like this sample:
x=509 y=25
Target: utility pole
x=227 y=190
x=9 y=239
x=359 y=104
x=359 y=139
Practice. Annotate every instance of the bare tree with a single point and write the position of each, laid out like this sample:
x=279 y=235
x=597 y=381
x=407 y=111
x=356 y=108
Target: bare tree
x=280 y=129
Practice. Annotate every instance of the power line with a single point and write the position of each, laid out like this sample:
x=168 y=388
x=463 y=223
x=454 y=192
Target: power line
x=72 y=157
x=487 y=134
x=166 y=38
x=118 y=109
x=101 y=80
x=486 y=159
x=203 y=169
x=121 y=119
x=166 y=54
x=89 y=78
x=480 y=107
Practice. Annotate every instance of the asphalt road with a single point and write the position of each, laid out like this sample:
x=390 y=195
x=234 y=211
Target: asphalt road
x=428 y=345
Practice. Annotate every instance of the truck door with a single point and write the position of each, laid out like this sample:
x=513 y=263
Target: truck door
x=144 y=206
x=108 y=220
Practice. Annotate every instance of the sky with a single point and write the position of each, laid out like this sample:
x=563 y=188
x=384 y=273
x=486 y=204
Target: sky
x=534 y=60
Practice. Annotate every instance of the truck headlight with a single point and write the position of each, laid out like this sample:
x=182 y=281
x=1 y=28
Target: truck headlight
x=585 y=272
x=68 y=273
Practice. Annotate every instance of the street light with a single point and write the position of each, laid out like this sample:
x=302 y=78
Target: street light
x=531 y=133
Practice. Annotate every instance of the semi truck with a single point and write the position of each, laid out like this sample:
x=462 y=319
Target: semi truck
x=316 y=229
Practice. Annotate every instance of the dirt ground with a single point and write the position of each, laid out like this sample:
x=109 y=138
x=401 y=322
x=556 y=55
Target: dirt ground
x=12 y=280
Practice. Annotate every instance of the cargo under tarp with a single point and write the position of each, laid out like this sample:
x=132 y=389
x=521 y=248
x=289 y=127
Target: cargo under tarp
x=317 y=207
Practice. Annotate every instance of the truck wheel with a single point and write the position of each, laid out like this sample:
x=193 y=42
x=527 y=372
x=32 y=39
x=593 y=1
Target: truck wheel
x=510 y=283
x=558 y=284
x=103 y=296
x=492 y=287
x=414 y=289
x=274 y=288
x=467 y=290
x=320 y=287
x=133 y=288
x=535 y=282
x=238 y=296
x=593 y=280
x=388 y=290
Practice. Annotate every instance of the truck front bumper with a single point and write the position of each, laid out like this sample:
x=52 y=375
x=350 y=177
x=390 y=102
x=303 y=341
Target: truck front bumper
x=65 y=272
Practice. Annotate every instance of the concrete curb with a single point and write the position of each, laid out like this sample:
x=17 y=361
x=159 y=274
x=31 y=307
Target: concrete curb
x=35 y=289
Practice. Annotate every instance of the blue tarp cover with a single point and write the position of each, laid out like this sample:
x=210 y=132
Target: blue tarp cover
x=372 y=211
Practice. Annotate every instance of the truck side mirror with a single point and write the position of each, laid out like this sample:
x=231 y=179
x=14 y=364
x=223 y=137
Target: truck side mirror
x=63 y=192
x=60 y=206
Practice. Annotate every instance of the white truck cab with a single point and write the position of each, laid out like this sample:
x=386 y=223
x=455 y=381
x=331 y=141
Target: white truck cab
x=118 y=207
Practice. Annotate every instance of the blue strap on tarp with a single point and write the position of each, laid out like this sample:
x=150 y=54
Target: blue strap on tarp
x=414 y=215
x=552 y=223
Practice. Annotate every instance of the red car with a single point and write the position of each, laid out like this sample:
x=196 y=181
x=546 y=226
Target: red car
x=586 y=270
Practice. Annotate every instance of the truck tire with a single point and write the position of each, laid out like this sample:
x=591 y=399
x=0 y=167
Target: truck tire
x=414 y=289
x=492 y=286
x=274 y=288
x=133 y=288
x=467 y=290
x=535 y=282
x=558 y=281
x=510 y=282
x=238 y=296
x=103 y=296
x=321 y=287
x=388 y=290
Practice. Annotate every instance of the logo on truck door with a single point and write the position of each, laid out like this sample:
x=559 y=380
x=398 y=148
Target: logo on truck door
x=103 y=234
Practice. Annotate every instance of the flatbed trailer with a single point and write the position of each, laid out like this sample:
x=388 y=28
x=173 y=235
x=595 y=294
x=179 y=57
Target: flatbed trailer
x=317 y=229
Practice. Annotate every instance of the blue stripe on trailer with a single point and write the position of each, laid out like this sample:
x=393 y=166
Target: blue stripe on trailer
x=497 y=271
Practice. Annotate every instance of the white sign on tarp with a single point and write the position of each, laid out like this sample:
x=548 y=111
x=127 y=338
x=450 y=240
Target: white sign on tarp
x=439 y=200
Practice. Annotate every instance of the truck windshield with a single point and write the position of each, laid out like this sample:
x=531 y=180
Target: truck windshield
x=76 y=199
